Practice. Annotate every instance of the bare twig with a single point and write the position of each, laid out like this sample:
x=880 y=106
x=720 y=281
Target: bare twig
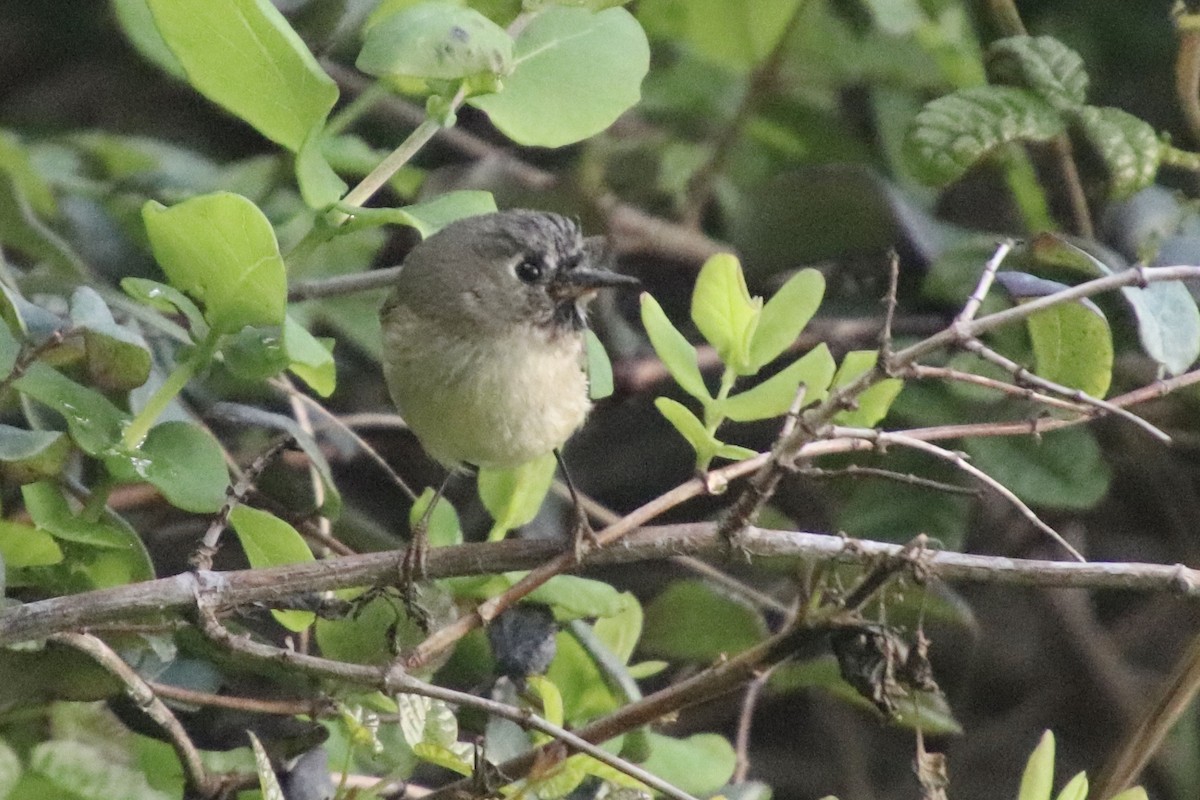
x=144 y=698
x=396 y=681
x=855 y=471
x=971 y=307
x=923 y=372
x=745 y=719
x=343 y=284
x=1022 y=375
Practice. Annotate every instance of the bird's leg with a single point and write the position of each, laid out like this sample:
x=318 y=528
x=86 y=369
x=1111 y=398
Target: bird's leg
x=412 y=565
x=583 y=538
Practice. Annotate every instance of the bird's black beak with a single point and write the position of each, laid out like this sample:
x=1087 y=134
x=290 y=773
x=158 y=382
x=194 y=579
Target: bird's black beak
x=581 y=281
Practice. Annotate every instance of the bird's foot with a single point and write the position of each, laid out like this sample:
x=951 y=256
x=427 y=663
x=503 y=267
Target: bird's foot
x=583 y=538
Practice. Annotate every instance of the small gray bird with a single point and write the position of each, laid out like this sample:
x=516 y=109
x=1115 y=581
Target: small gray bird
x=483 y=345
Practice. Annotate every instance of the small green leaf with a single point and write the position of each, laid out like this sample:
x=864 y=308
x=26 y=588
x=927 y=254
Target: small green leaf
x=117 y=358
x=564 y=56
x=691 y=428
x=953 y=133
x=49 y=510
x=1038 y=779
x=1130 y=149
x=873 y=404
x=185 y=463
x=379 y=628
x=309 y=358
x=268 y=541
x=1042 y=64
x=255 y=354
x=1076 y=788
x=443 y=757
x=547 y=692
x=621 y=631
x=243 y=55
x=220 y=249
x=691 y=621
x=28 y=456
x=700 y=764
x=27 y=178
x=26 y=546
x=436 y=41
x=167 y=299
x=443 y=528
x=320 y=185
x=724 y=311
x=1136 y=793
x=571 y=597
x=514 y=496
x=599 y=368
x=775 y=395
x=676 y=352
x=785 y=315
x=735 y=452
x=22 y=229
x=95 y=424
x=428 y=217
x=1060 y=469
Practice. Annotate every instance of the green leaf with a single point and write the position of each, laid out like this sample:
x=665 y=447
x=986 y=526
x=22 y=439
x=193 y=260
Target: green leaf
x=243 y=55
x=1072 y=343
x=309 y=358
x=571 y=597
x=75 y=770
x=676 y=352
x=378 y=628
x=691 y=428
x=268 y=541
x=514 y=496
x=320 y=185
x=28 y=456
x=436 y=41
x=953 y=133
x=775 y=395
x=724 y=311
x=185 y=463
x=1136 y=793
x=580 y=682
x=735 y=33
x=691 y=621
x=621 y=631
x=443 y=528
x=26 y=546
x=1076 y=788
x=26 y=177
x=700 y=764
x=117 y=358
x=1060 y=469
x=599 y=368
x=873 y=404
x=575 y=73
x=268 y=783
x=1041 y=64
x=1037 y=781
x=49 y=511
x=137 y=23
x=552 y=703
x=1130 y=149
x=785 y=315
x=255 y=354
x=168 y=300
x=1168 y=320
x=220 y=249
x=428 y=217
x=95 y=424
x=443 y=757
x=22 y=229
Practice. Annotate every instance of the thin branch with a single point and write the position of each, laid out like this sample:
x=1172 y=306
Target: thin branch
x=890 y=301
x=145 y=699
x=855 y=471
x=1081 y=215
x=923 y=372
x=343 y=284
x=971 y=307
x=745 y=719
x=1022 y=375
x=1187 y=70
x=176 y=595
x=884 y=439
x=396 y=681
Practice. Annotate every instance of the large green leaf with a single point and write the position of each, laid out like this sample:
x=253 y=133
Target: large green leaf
x=1040 y=63
x=689 y=620
x=1061 y=469
x=221 y=249
x=268 y=541
x=700 y=764
x=185 y=463
x=953 y=133
x=1168 y=320
x=436 y=40
x=576 y=72
x=244 y=56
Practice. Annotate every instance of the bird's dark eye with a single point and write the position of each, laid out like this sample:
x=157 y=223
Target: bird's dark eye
x=530 y=270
